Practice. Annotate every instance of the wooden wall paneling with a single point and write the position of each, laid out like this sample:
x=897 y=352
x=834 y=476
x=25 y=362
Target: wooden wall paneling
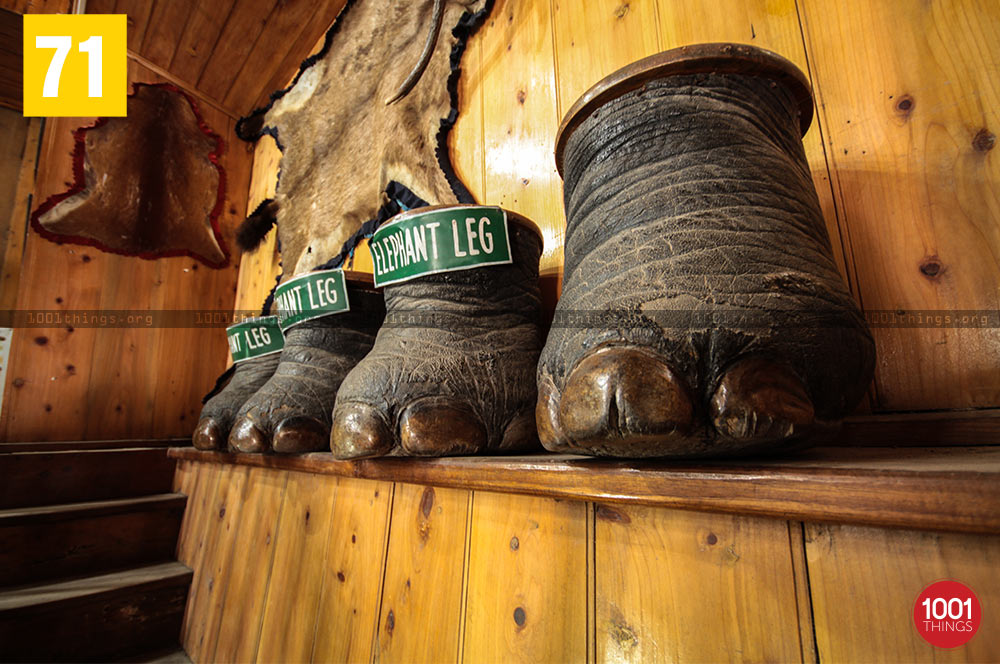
x=138 y=13
x=120 y=392
x=289 y=621
x=238 y=38
x=197 y=514
x=594 y=39
x=865 y=581
x=37 y=6
x=687 y=586
x=250 y=572
x=191 y=286
x=48 y=375
x=11 y=62
x=803 y=601
x=423 y=585
x=313 y=35
x=224 y=514
x=911 y=121
x=101 y=7
x=288 y=24
x=527 y=580
x=466 y=139
x=259 y=268
x=169 y=19
x=16 y=230
x=348 y=611
x=200 y=36
x=520 y=119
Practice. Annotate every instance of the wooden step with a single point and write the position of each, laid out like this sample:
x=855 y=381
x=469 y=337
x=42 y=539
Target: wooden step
x=51 y=478
x=95 y=618
x=69 y=445
x=174 y=655
x=88 y=538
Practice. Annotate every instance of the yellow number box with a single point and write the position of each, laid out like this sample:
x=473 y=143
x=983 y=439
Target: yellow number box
x=74 y=65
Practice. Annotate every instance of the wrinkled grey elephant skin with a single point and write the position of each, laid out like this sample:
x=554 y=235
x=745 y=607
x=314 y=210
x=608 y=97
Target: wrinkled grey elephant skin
x=687 y=198
x=219 y=412
x=452 y=371
x=290 y=413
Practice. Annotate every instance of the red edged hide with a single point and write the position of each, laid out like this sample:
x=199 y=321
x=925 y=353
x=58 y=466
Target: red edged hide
x=147 y=185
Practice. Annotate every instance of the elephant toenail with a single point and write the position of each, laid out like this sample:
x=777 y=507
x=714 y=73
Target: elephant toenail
x=207 y=435
x=761 y=400
x=623 y=397
x=296 y=435
x=359 y=431
x=246 y=437
x=439 y=426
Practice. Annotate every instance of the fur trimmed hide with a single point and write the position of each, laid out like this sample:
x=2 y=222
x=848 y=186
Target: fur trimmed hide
x=342 y=144
x=146 y=185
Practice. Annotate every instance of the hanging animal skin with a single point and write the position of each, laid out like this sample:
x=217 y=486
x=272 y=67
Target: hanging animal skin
x=148 y=184
x=375 y=105
x=364 y=125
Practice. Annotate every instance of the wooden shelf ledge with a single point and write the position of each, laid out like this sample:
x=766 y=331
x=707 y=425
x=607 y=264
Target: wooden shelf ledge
x=950 y=489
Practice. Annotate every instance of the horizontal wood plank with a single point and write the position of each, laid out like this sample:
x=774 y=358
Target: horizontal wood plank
x=87 y=538
x=949 y=489
x=50 y=478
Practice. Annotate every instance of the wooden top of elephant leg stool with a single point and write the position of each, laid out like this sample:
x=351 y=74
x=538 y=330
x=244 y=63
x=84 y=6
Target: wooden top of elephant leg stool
x=719 y=58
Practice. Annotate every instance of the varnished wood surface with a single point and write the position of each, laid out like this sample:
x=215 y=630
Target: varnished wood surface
x=86 y=538
x=51 y=478
x=234 y=51
x=950 y=489
x=72 y=381
x=418 y=573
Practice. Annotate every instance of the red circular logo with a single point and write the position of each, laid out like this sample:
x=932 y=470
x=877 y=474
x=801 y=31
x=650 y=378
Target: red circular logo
x=947 y=614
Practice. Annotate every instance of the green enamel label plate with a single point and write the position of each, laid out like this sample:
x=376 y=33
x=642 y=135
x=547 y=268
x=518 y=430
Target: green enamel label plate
x=436 y=241
x=255 y=337
x=310 y=296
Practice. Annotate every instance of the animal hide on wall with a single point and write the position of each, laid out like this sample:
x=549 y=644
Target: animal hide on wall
x=342 y=144
x=147 y=185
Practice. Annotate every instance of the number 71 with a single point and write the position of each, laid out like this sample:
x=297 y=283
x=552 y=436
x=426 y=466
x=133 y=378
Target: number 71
x=62 y=45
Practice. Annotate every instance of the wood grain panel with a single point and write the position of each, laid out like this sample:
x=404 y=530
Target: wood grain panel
x=138 y=13
x=684 y=586
x=865 y=581
x=910 y=120
x=348 y=614
x=520 y=118
x=207 y=586
x=236 y=42
x=287 y=24
x=81 y=380
x=527 y=580
x=22 y=162
x=422 y=592
x=260 y=267
x=199 y=38
x=297 y=573
x=250 y=572
x=37 y=6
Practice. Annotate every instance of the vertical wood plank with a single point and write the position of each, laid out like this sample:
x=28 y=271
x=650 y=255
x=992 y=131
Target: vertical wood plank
x=47 y=378
x=289 y=622
x=138 y=12
x=222 y=517
x=287 y=24
x=593 y=39
x=17 y=221
x=348 y=612
x=250 y=571
x=259 y=268
x=196 y=530
x=198 y=41
x=520 y=119
x=422 y=590
x=916 y=189
x=169 y=20
x=687 y=586
x=865 y=580
x=527 y=580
